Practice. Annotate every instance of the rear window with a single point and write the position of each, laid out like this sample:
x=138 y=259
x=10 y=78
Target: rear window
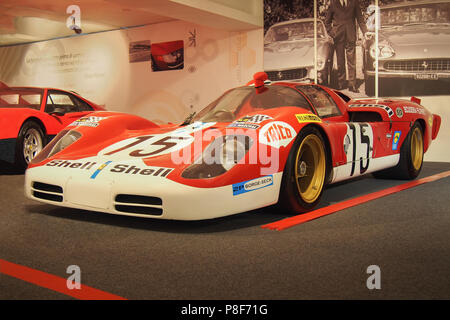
x=20 y=99
x=321 y=100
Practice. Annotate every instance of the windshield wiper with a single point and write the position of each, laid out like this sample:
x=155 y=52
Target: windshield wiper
x=189 y=119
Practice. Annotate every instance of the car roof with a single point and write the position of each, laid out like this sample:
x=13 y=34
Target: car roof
x=31 y=89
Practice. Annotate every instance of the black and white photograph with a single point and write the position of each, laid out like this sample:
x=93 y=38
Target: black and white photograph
x=140 y=51
x=413 y=49
x=412 y=45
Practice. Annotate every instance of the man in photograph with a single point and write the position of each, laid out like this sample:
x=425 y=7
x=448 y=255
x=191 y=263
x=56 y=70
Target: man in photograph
x=341 y=22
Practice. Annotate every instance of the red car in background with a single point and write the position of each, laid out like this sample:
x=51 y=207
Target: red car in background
x=167 y=55
x=30 y=117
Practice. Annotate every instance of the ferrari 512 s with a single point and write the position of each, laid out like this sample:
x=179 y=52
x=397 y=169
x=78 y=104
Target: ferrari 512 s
x=255 y=146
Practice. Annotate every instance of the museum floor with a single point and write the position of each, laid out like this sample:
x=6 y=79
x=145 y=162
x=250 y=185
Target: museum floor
x=406 y=234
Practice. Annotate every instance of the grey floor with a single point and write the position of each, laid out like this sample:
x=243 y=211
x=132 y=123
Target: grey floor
x=406 y=234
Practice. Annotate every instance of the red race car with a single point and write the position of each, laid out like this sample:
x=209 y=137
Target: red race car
x=254 y=146
x=30 y=117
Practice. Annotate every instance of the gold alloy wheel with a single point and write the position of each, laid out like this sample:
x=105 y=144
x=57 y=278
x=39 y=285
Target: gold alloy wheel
x=310 y=168
x=416 y=148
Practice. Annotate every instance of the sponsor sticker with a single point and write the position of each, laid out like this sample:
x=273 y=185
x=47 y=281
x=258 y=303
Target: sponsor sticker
x=399 y=112
x=396 y=139
x=250 y=122
x=244 y=125
x=71 y=164
x=409 y=109
x=115 y=168
x=252 y=185
x=302 y=118
x=94 y=175
x=276 y=134
x=147 y=171
x=90 y=121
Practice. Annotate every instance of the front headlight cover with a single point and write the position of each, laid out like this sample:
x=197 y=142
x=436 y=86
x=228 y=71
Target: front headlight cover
x=385 y=50
x=64 y=139
x=219 y=157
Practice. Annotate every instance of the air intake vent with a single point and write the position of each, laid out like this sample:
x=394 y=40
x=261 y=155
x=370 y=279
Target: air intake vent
x=48 y=192
x=292 y=74
x=137 y=204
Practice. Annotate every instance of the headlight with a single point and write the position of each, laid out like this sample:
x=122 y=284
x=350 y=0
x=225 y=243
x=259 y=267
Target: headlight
x=64 y=139
x=384 y=51
x=220 y=156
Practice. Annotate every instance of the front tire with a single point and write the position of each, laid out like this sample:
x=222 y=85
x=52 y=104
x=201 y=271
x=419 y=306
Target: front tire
x=304 y=175
x=30 y=142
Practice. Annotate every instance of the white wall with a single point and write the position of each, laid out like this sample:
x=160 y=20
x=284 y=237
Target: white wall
x=440 y=148
x=97 y=67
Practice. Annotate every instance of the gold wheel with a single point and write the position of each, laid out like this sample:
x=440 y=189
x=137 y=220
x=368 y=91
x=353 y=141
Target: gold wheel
x=416 y=148
x=310 y=168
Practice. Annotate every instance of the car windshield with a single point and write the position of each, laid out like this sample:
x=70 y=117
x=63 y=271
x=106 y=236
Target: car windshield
x=239 y=102
x=294 y=31
x=21 y=98
x=419 y=14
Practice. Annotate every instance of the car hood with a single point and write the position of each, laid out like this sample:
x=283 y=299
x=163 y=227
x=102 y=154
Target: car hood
x=289 y=54
x=119 y=139
x=418 y=41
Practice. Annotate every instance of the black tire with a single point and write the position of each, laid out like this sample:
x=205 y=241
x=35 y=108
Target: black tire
x=292 y=199
x=30 y=131
x=411 y=157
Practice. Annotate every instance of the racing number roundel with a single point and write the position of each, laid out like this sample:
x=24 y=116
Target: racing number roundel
x=153 y=145
x=358 y=145
x=147 y=146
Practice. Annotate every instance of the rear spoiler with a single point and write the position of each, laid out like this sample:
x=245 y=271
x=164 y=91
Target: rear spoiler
x=415 y=100
x=436 y=126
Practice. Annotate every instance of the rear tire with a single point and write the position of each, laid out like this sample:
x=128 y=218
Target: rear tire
x=304 y=174
x=411 y=157
x=30 y=142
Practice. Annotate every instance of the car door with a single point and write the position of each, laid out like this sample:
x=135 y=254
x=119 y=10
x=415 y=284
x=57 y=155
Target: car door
x=362 y=138
x=65 y=107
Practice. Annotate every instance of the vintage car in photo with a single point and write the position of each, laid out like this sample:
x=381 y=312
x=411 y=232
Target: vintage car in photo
x=413 y=48
x=289 y=51
x=30 y=117
x=255 y=146
x=167 y=55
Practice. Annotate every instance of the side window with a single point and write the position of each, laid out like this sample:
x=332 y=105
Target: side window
x=59 y=100
x=82 y=106
x=279 y=96
x=323 y=103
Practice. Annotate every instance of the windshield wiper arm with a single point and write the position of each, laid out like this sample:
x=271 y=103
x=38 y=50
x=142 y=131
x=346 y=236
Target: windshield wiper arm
x=189 y=118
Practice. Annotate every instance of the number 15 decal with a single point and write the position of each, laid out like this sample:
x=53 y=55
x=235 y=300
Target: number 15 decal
x=358 y=145
x=147 y=146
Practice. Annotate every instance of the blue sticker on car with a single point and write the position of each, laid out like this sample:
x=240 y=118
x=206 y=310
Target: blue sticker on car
x=94 y=175
x=396 y=139
x=251 y=185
